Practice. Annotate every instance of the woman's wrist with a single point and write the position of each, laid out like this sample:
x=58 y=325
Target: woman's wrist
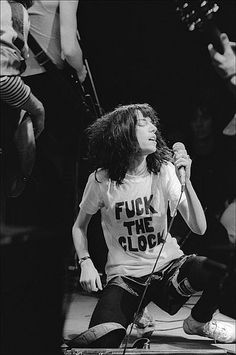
x=83 y=259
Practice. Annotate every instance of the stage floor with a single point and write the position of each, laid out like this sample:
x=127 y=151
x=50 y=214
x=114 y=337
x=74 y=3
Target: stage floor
x=168 y=338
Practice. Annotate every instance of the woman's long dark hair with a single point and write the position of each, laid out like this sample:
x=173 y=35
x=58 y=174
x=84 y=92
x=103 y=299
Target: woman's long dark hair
x=113 y=143
x=27 y=3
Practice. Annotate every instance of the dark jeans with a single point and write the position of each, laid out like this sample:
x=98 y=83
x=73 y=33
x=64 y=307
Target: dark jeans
x=32 y=290
x=59 y=147
x=170 y=288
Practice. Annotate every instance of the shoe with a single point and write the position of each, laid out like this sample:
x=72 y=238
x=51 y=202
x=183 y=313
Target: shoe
x=91 y=336
x=144 y=324
x=221 y=332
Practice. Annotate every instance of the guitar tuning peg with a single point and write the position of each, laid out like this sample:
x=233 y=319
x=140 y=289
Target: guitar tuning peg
x=203 y=3
x=213 y=9
x=192 y=27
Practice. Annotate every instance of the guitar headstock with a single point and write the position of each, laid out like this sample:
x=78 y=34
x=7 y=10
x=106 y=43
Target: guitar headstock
x=195 y=13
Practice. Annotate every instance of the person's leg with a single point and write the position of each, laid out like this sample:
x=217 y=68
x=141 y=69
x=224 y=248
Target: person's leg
x=164 y=290
x=32 y=292
x=202 y=277
x=10 y=164
x=25 y=144
x=199 y=273
x=183 y=278
x=115 y=306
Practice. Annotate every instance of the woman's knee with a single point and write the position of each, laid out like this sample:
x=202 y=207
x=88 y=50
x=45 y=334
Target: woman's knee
x=115 y=305
x=191 y=277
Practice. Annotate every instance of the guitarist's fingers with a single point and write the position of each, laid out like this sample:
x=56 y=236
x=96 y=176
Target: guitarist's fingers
x=214 y=54
x=232 y=44
x=225 y=42
x=227 y=45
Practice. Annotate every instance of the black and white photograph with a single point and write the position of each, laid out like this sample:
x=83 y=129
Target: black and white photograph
x=118 y=177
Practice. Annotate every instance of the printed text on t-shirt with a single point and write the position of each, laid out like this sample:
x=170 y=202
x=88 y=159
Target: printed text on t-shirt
x=140 y=231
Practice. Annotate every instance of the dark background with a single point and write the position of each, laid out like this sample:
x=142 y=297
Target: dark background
x=140 y=51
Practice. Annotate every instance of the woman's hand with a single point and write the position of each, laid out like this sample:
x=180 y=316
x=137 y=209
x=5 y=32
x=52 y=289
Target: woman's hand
x=89 y=277
x=182 y=159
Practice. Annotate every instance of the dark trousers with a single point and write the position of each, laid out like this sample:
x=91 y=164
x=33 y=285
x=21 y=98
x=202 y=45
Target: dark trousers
x=59 y=147
x=168 y=289
x=32 y=289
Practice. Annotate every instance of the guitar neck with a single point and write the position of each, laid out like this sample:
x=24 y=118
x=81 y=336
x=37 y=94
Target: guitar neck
x=198 y=15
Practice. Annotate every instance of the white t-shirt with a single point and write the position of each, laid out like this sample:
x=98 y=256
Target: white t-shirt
x=45 y=28
x=134 y=219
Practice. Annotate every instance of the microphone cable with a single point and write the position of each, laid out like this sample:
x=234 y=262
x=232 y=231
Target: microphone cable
x=152 y=272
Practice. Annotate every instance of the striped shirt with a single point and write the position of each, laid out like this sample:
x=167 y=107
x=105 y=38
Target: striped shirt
x=13 y=91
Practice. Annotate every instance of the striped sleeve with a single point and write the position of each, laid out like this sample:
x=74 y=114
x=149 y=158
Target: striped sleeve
x=13 y=91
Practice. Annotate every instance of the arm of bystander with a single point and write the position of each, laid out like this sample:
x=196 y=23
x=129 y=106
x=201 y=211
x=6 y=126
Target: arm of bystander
x=69 y=40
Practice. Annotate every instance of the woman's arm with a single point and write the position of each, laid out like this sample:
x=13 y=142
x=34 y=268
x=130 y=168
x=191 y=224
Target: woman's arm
x=69 y=41
x=191 y=208
x=89 y=278
x=192 y=211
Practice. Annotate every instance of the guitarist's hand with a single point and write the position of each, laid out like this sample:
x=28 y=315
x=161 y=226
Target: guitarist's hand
x=35 y=109
x=225 y=64
x=82 y=74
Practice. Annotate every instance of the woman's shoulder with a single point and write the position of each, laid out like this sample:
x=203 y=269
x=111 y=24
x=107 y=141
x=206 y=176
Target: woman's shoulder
x=167 y=168
x=99 y=176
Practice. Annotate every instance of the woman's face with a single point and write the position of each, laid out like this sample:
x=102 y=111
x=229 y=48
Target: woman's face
x=146 y=134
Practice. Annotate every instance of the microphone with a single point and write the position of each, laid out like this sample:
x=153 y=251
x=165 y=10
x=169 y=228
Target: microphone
x=176 y=147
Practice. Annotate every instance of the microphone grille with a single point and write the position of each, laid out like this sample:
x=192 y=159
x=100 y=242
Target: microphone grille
x=178 y=146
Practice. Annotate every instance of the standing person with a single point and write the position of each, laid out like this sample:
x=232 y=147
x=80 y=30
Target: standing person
x=225 y=65
x=204 y=144
x=53 y=24
x=31 y=290
x=132 y=185
x=54 y=27
x=16 y=96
